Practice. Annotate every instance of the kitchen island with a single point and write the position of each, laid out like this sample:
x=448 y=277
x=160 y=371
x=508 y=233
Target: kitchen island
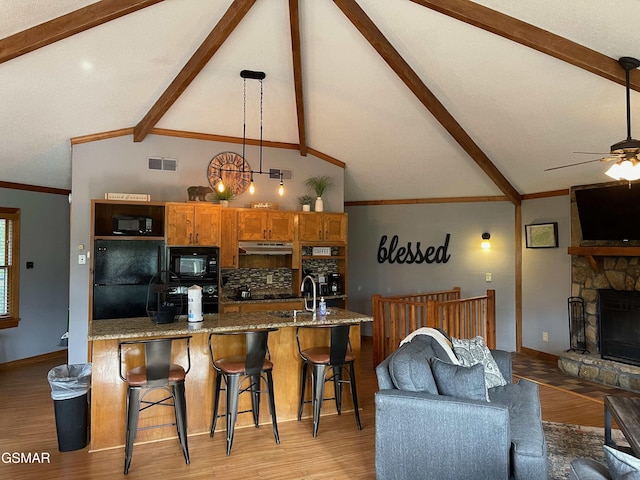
x=108 y=391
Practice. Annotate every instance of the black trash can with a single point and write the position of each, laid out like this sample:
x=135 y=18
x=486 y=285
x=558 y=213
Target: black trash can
x=70 y=392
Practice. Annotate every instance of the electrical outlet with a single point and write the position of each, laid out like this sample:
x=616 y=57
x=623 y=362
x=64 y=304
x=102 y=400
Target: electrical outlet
x=545 y=336
x=269 y=279
x=82 y=259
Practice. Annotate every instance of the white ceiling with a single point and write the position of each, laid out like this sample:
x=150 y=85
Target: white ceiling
x=526 y=110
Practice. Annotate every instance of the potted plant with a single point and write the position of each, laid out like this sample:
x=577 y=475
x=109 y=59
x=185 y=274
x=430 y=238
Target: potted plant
x=319 y=185
x=223 y=197
x=305 y=201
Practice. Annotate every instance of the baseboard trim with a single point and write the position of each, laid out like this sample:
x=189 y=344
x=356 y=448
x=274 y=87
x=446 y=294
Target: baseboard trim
x=23 y=362
x=549 y=357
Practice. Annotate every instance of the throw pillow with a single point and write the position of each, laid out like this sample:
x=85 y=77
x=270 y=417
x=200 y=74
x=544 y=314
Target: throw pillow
x=621 y=465
x=459 y=381
x=409 y=367
x=473 y=351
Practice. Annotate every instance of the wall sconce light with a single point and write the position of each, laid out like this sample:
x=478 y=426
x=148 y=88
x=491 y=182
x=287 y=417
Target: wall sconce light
x=486 y=244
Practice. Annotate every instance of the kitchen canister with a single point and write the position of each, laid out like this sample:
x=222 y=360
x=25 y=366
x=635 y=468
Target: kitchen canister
x=194 y=301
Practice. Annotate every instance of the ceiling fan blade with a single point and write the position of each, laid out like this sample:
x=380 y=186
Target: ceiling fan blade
x=593 y=153
x=578 y=163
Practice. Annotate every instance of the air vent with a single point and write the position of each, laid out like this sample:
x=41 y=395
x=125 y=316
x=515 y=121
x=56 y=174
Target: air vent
x=161 y=163
x=274 y=173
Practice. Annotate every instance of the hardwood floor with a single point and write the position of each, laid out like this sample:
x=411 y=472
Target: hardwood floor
x=339 y=452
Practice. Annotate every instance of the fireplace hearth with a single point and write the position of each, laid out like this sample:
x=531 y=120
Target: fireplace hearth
x=619 y=325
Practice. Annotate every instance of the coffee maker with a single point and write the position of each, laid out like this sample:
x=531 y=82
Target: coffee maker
x=335 y=284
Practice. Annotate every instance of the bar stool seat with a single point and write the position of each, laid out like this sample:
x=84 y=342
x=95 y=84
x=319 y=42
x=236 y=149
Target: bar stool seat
x=157 y=373
x=254 y=367
x=237 y=364
x=323 y=355
x=324 y=364
x=137 y=377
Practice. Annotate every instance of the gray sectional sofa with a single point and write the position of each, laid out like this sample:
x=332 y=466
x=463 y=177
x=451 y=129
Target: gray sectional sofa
x=423 y=434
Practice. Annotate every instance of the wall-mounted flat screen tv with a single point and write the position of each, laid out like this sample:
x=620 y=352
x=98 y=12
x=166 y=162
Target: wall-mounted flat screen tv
x=609 y=213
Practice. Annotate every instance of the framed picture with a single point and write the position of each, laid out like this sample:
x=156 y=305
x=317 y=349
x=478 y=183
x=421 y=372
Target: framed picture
x=542 y=235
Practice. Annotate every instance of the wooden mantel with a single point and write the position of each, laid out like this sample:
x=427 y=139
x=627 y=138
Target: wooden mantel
x=591 y=253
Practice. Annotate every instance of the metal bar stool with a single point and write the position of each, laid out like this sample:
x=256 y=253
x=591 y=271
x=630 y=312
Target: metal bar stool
x=328 y=364
x=244 y=373
x=157 y=373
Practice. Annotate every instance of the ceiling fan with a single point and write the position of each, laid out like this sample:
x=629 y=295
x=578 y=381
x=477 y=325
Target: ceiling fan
x=626 y=152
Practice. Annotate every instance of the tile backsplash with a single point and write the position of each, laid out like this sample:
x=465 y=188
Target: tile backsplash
x=256 y=279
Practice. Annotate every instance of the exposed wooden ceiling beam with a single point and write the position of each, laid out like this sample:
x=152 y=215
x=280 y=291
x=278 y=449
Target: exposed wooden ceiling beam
x=229 y=21
x=368 y=29
x=534 y=37
x=66 y=25
x=296 y=53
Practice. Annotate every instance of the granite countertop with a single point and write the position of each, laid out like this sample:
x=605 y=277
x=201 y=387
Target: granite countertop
x=122 y=328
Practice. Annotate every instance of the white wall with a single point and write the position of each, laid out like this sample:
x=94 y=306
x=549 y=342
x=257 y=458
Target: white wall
x=428 y=224
x=44 y=290
x=546 y=278
x=120 y=165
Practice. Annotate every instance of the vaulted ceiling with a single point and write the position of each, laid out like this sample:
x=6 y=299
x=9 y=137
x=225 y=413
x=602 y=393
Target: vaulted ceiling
x=419 y=98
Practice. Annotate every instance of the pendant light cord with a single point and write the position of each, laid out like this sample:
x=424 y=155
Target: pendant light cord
x=261 y=95
x=244 y=119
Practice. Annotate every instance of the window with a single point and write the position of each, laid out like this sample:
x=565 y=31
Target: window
x=9 y=266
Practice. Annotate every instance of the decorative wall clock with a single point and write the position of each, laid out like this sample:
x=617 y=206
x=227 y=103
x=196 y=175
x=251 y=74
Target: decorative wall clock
x=234 y=171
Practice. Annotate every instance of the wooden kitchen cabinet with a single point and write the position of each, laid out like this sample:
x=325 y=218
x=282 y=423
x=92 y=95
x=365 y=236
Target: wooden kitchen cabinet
x=228 y=238
x=327 y=227
x=193 y=224
x=256 y=225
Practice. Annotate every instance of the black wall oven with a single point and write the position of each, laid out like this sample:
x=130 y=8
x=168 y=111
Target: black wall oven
x=195 y=266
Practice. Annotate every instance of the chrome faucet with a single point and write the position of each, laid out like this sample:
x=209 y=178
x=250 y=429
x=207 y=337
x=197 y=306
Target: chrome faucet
x=313 y=284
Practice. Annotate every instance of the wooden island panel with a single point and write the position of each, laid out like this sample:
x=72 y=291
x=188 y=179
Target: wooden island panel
x=108 y=391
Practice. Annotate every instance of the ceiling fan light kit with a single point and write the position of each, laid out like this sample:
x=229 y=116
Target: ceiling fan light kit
x=627 y=167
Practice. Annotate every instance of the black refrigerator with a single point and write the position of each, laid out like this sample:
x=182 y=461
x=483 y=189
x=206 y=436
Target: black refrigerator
x=122 y=270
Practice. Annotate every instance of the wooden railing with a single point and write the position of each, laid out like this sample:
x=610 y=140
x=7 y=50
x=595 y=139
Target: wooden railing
x=394 y=317
x=397 y=316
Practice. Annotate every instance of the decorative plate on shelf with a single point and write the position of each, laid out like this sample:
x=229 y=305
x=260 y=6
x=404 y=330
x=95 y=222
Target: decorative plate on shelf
x=234 y=170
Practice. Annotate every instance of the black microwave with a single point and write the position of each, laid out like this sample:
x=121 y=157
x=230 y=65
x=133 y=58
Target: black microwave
x=194 y=264
x=126 y=225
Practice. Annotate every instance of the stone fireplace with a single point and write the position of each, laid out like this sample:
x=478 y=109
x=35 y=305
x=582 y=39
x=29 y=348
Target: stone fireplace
x=602 y=266
x=591 y=274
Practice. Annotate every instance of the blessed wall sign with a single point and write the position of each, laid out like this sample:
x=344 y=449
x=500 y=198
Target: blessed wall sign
x=410 y=253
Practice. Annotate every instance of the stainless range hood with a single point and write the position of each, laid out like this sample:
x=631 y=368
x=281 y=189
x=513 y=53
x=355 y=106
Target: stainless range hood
x=265 y=248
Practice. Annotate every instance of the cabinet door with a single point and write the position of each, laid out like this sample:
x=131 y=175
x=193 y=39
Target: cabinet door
x=252 y=225
x=228 y=238
x=207 y=224
x=179 y=224
x=280 y=226
x=334 y=227
x=309 y=226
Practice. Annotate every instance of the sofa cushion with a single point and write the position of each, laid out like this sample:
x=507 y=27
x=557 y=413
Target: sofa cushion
x=473 y=351
x=459 y=381
x=622 y=466
x=409 y=366
x=588 y=469
x=529 y=450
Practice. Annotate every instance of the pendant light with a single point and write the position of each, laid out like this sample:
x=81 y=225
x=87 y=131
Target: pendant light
x=260 y=76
